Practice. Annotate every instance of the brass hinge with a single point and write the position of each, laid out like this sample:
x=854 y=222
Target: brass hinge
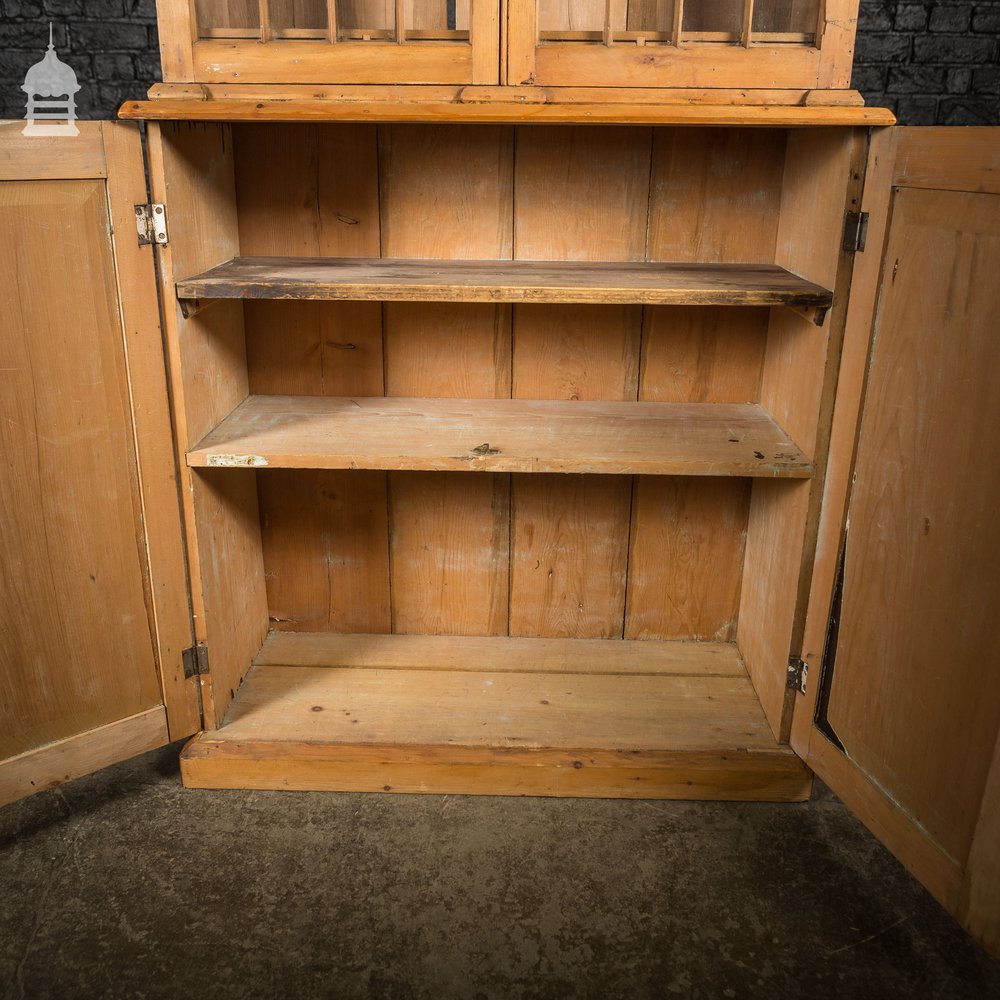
x=195 y=659
x=151 y=224
x=798 y=674
x=855 y=232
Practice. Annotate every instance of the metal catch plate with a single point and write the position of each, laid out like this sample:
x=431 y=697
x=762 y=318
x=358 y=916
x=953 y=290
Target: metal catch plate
x=798 y=674
x=151 y=224
x=855 y=232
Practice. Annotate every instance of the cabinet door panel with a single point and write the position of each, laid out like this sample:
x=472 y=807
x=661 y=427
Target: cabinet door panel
x=92 y=583
x=332 y=41
x=718 y=44
x=911 y=685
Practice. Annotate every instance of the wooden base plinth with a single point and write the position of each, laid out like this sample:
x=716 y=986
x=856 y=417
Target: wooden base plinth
x=498 y=716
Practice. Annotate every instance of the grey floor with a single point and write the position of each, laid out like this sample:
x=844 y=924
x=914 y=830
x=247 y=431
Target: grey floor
x=127 y=885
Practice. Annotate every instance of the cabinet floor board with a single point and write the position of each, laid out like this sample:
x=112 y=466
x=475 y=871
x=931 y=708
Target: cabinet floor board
x=499 y=716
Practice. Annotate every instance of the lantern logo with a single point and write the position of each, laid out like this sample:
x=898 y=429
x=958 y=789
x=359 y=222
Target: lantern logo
x=51 y=87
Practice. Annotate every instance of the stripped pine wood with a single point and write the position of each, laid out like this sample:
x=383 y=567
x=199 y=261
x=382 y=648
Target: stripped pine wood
x=58 y=158
x=770 y=775
x=923 y=524
x=687 y=537
x=507 y=95
x=312 y=432
x=82 y=753
x=449 y=535
x=573 y=192
x=76 y=649
x=314 y=190
x=550 y=656
x=447 y=193
x=685 y=558
x=569 y=548
x=822 y=181
x=652 y=112
x=701 y=355
x=571 y=282
x=524 y=708
x=192 y=165
x=527 y=710
x=150 y=414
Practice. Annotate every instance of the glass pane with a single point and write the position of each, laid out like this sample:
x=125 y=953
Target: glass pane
x=651 y=15
x=438 y=16
x=571 y=16
x=713 y=16
x=215 y=14
x=300 y=14
x=797 y=16
x=365 y=20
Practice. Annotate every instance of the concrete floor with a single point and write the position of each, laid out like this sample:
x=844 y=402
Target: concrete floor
x=127 y=885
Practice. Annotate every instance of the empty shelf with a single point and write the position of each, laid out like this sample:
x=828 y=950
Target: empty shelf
x=501 y=435
x=497 y=715
x=504 y=281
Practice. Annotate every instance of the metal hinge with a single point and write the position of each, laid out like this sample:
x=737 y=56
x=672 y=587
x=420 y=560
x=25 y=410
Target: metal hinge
x=798 y=674
x=195 y=660
x=855 y=232
x=151 y=224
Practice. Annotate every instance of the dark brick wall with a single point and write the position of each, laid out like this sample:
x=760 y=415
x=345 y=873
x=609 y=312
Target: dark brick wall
x=932 y=63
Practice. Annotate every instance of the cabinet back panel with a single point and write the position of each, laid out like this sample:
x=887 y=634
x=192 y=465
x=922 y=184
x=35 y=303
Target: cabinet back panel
x=411 y=556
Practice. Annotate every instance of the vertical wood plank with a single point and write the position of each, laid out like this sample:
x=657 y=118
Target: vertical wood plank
x=686 y=558
x=688 y=535
x=264 y=6
x=715 y=196
x=158 y=476
x=332 y=29
x=313 y=190
x=522 y=41
x=580 y=194
x=447 y=193
x=178 y=29
x=569 y=556
x=746 y=32
x=192 y=165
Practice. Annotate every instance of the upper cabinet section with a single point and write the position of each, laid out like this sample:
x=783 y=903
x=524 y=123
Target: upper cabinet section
x=635 y=46
x=330 y=41
x=725 y=44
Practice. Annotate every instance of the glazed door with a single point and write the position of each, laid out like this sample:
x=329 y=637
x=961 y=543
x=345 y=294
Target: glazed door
x=903 y=720
x=330 y=41
x=92 y=576
x=701 y=44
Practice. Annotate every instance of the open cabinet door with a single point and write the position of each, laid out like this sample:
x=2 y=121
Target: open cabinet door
x=92 y=577
x=903 y=719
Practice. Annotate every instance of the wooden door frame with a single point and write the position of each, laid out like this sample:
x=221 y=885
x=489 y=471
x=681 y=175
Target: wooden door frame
x=186 y=58
x=826 y=65
x=944 y=158
x=112 y=152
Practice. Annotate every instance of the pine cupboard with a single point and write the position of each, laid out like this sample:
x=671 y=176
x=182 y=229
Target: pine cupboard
x=579 y=432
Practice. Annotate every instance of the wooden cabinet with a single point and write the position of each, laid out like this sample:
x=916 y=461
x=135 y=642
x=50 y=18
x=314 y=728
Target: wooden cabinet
x=516 y=433
x=776 y=45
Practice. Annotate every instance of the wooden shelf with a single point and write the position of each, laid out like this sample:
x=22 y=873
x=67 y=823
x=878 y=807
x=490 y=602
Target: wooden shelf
x=504 y=281
x=507 y=716
x=501 y=435
x=512 y=111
